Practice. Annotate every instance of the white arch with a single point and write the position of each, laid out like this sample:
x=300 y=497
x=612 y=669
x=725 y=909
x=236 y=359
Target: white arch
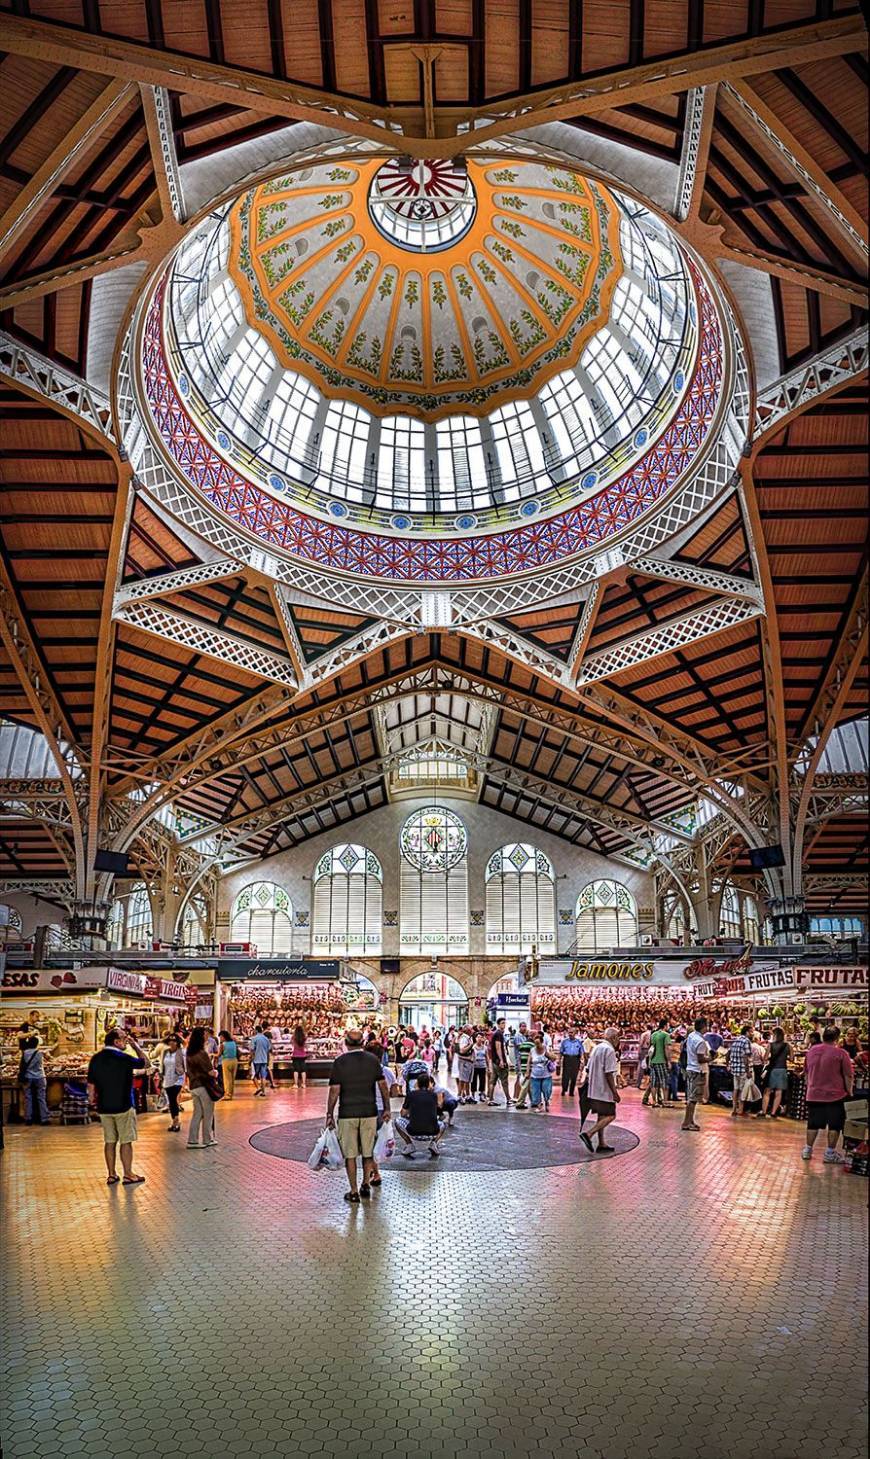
x=520 y=900
x=605 y=916
x=263 y=915
x=347 y=902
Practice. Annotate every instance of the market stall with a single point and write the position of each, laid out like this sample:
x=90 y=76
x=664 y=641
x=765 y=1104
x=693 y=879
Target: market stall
x=71 y=1011
x=283 y=995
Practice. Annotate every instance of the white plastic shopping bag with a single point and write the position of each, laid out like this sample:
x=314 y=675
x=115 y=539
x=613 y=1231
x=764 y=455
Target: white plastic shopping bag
x=318 y=1159
x=334 y=1157
x=385 y=1144
x=750 y=1091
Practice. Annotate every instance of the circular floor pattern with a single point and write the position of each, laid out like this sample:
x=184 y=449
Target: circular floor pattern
x=481 y=1139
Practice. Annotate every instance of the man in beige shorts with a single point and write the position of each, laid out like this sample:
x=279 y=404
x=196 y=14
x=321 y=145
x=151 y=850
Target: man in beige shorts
x=110 y=1077
x=353 y=1079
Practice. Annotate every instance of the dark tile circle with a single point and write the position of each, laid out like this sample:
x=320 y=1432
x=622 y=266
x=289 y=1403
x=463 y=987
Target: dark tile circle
x=481 y=1139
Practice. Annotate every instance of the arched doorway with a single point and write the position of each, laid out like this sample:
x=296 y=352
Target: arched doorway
x=360 y=996
x=507 y=999
x=433 y=1000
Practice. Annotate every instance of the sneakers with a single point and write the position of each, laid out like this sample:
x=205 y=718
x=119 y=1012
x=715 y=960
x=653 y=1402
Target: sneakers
x=807 y=1152
x=833 y=1157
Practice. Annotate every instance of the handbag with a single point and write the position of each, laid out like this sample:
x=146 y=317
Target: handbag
x=213 y=1089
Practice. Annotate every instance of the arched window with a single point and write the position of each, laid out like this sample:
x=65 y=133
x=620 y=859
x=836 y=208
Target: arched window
x=129 y=923
x=347 y=910
x=606 y=914
x=520 y=900
x=433 y=882
x=10 y=924
x=192 y=929
x=750 y=919
x=837 y=928
x=263 y=915
x=729 y=913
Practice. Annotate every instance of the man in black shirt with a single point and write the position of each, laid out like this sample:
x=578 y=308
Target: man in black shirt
x=499 y=1071
x=353 y=1078
x=422 y=1118
x=110 y=1076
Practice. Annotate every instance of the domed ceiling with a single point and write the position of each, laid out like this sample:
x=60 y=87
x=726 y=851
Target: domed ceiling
x=431 y=371
x=432 y=291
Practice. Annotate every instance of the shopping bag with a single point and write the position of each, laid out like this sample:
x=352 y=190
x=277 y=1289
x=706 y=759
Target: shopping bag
x=334 y=1157
x=750 y=1091
x=317 y=1159
x=385 y=1144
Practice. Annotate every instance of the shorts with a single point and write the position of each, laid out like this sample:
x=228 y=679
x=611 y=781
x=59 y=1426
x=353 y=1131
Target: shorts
x=777 y=1079
x=602 y=1106
x=357 y=1137
x=299 y=1065
x=402 y=1123
x=830 y=1116
x=658 y=1074
x=696 y=1085
x=260 y=1071
x=119 y=1129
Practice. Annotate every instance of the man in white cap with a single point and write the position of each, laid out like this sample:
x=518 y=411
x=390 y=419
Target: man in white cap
x=601 y=1091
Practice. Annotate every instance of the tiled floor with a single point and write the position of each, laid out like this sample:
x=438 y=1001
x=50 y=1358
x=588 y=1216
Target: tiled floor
x=701 y=1295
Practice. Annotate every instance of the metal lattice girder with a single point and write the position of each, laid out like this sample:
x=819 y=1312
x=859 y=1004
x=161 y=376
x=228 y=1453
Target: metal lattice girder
x=203 y=638
x=827 y=371
x=698 y=577
x=697 y=130
x=59 y=889
x=43 y=792
x=690 y=628
x=834 y=881
x=844 y=803
x=520 y=649
x=584 y=628
x=46 y=380
x=241 y=828
x=367 y=641
x=163 y=584
x=841 y=214
x=161 y=136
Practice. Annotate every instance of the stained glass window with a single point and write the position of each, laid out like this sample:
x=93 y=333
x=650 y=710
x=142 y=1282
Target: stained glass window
x=263 y=915
x=433 y=882
x=347 y=902
x=606 y=917
x=520 y=900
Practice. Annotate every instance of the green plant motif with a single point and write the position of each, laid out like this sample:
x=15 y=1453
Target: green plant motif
x=554 y=300
x=328 y=339
x=464 y=285
x=357 y=356
x=486 y=271
x=364 y=271
x=534 y=335
x=339 y=174
x=271 y=220
x=516 y=230
x=346 y=251
x=505 y=174
x=439 y=293
x=337 y=225
x=385 y=287
x=502 y=251
x=566 y=181
x=297 y=312
x=331 y=200
x=442 y=371
x=406 y=363
x=512 y=201
x=412 y=292
x=497 y=356
x=576 y=272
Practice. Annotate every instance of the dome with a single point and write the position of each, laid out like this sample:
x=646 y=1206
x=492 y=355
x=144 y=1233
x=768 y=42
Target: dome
x=431 y=370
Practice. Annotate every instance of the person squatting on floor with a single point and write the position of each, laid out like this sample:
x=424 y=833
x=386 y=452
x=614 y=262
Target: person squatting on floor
x=421 y=1118
x=110 y=1085
x=353 y=1079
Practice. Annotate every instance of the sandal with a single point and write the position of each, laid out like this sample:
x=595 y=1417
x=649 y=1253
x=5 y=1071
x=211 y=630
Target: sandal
x=352 y=1197
x=112 y=1179
x=134 y=1180
x=376 y=1182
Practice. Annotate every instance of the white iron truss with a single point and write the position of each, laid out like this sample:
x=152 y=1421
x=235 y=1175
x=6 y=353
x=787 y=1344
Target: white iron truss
x=841 y=362
x=700 y=102
x=689 y=628
x=200 y=637
x=162 y=584
x=38 y=376
x=156 y=100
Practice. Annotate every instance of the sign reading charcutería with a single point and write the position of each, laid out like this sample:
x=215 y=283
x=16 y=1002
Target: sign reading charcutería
x=284 y=970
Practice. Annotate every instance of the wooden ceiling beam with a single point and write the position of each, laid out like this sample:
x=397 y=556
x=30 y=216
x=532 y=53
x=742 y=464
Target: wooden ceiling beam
x=73 y=145
x=134 y=62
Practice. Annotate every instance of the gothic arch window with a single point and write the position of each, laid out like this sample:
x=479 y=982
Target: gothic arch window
x=750 y=919
x=347 y=910
x=520 y=900
x=130 y=923
x=606 y=917
x=263 y=915
x=192 y=927
x=729 y=913
x=433 y=882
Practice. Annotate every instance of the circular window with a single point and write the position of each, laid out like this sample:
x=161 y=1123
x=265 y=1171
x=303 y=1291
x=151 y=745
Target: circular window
x=433 y=839
x=422 y=205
